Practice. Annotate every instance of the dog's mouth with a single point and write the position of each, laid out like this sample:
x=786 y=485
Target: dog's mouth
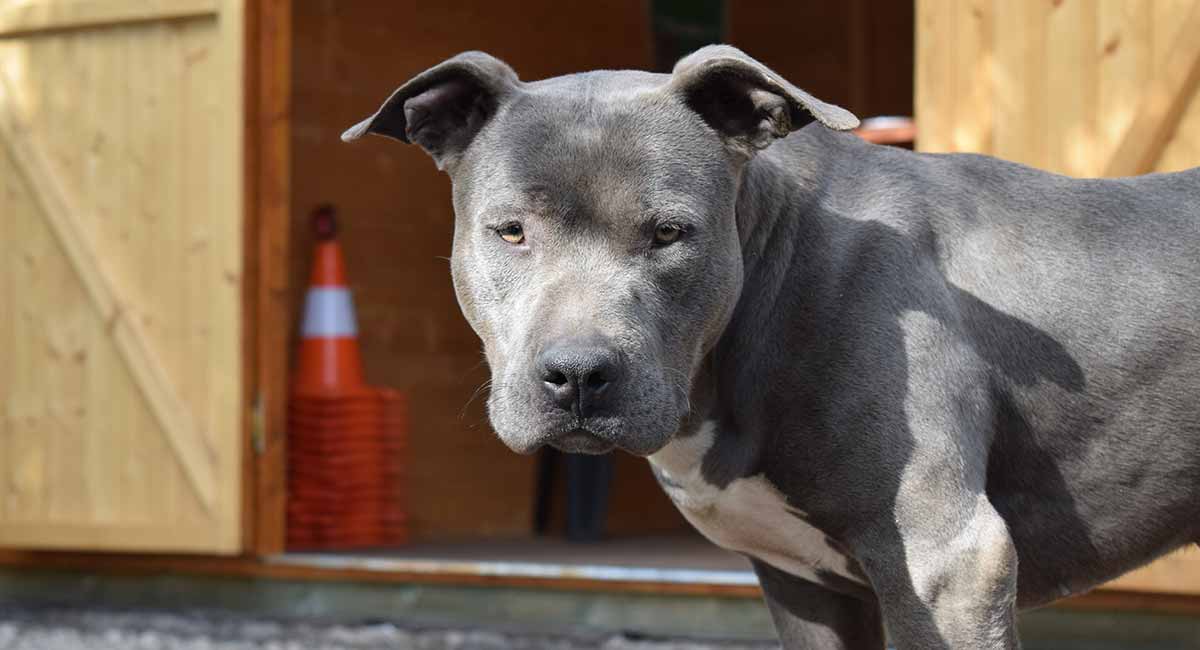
x=526 y=422
x=581 y=441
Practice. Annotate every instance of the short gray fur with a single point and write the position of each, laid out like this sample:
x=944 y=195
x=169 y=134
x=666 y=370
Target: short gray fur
x=981 y=380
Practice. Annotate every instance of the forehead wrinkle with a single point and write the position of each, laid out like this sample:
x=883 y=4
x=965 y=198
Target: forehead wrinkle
x=601 y=152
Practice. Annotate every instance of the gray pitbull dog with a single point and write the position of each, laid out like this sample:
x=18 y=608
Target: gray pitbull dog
x=916 y=390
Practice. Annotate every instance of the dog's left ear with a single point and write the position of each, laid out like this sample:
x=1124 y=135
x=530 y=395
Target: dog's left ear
x=746 y=102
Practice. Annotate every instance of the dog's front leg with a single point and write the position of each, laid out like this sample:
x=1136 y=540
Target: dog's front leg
x=950 y=586
x=809 y=616
x=936 y=552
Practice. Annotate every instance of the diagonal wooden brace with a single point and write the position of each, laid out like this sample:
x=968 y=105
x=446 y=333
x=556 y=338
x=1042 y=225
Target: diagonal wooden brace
x=195 y=455
x=1162 y=106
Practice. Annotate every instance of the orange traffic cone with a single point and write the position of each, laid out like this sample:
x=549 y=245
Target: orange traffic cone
x=329 y=364
x=347 y=442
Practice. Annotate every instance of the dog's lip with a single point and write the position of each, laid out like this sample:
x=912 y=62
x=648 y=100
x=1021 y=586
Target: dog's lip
x=581 y=441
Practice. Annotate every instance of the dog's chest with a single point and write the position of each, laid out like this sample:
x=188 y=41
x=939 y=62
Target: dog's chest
x=749 y=515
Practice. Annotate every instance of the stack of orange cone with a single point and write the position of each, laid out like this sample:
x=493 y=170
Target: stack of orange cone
x=346 y=440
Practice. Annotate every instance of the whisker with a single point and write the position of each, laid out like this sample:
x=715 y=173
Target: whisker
x=681 y=385
x=475 y=394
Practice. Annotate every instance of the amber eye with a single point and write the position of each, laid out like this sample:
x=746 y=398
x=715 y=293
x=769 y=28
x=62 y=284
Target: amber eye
x=511 y=233
x=667 y=233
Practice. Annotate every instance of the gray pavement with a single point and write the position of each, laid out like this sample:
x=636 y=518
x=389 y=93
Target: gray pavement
x=58 y=629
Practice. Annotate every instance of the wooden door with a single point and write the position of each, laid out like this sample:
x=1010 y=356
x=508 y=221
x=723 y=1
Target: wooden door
x=121 y=256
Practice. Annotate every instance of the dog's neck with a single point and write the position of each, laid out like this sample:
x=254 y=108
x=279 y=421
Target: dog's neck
x=780 y=205
x=783 y=223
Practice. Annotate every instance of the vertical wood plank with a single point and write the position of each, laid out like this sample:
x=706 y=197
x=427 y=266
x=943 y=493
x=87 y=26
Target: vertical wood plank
x=145 y=232
x=62 y=337
x=106 y=433
x=199 y=282
x=1183 y=150
x=974 y=77
x=1036 y=65
x=7 y=225
x=231 y=192
x=1164 y=99
x=269 y=137
x=1070 y=98
x=1124 y=67
x=9 y=268
x=25 y=482
x=12 y=265
x=934 y=96
x=1016 y=106
x=1166 y=25
x=857 y=55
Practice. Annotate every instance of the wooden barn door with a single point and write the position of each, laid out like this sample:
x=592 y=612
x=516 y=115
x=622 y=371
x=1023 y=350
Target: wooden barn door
x=121 y=261
x=1076 y=87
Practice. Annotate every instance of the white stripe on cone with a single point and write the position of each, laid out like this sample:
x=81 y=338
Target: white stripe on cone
x=329 y=312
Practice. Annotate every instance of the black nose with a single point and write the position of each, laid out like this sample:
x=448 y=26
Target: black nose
x=579 y=374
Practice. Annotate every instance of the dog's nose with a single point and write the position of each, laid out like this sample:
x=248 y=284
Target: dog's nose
x=579 y=374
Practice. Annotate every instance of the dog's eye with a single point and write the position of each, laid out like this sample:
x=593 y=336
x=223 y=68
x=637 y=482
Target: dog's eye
x=667 y=233
x=511 y=233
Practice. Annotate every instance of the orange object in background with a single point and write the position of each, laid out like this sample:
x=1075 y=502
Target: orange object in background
x=347 y=441
x=900 y=131
x=329 y=363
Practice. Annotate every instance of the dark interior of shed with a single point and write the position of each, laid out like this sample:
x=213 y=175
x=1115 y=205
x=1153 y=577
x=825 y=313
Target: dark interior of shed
x=465 y=487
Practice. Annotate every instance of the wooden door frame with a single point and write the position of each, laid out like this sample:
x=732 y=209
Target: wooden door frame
x=268 y=70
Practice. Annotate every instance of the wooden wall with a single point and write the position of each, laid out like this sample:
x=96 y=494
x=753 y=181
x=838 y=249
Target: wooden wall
x=1079 y=87
x=855 y=53
x=397 y=218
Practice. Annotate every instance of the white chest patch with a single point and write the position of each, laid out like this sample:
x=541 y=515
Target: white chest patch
x=749 y=516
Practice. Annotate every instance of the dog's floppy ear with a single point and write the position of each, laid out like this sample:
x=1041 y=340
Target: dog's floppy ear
x=443 y=108
x=745 y=101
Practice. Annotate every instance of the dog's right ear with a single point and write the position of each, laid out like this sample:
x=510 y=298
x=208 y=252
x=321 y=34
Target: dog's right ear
x=443 y=108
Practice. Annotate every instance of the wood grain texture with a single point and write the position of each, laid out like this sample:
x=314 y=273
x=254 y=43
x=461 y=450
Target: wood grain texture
x=59 y=208
x=1182 y=150
x=973 y=84
x=26 y=17
x=122 y=163
x=268 y=201
x=933 y=106
x=1164 y=101
x=858 y=55
x=1079 y=87
x=1177 y=573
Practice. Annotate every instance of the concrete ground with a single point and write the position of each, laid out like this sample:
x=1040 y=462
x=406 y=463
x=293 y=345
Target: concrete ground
x=68 y=629
x=58 y=610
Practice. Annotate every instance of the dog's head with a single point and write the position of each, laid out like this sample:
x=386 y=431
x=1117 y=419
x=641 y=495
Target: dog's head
x=596 y=250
